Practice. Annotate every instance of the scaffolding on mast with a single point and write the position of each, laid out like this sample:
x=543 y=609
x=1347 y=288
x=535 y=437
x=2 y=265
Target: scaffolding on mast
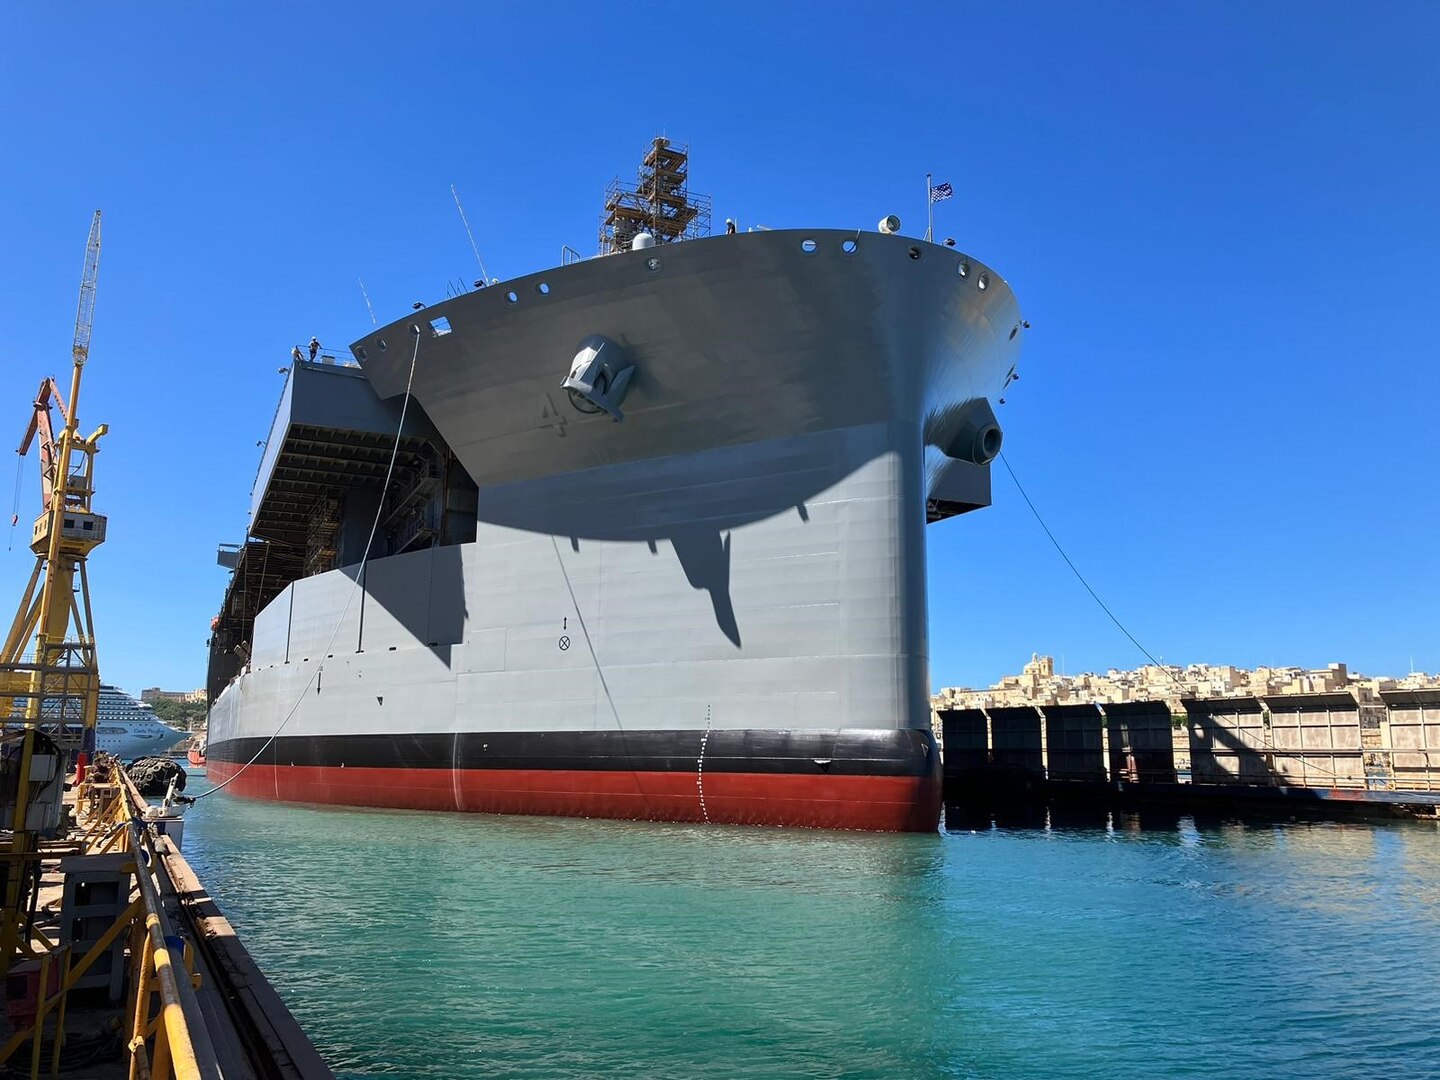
x=659 y=202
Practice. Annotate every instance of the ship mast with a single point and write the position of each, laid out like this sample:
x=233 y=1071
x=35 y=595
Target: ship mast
x=659 y=202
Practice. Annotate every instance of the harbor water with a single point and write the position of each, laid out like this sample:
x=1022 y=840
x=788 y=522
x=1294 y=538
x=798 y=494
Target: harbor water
x=440 y=945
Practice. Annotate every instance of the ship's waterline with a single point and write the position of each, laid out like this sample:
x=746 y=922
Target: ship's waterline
x=884 y=780
x=742 y=558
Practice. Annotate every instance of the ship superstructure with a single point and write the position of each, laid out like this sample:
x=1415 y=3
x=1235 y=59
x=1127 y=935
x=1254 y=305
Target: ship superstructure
x=655 y=545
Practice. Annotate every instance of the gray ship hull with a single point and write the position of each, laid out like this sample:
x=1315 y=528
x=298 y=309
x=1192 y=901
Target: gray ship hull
x=711 y=610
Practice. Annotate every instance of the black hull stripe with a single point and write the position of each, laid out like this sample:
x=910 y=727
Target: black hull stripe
x=846 y=752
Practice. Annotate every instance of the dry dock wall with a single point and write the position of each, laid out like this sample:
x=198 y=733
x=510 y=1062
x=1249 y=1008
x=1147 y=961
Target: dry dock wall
x=1141 y=741
x=1073 y=742
x=1411 y=727
x=1017 y=738
x=967 y=739
x=1327 y=740
x=1228 y=741
x=1316 y=739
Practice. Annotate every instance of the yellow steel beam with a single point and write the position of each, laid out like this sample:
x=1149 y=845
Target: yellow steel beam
x=60 y=1016
x=127 y=917
x=55 y=606
x=24 y=620
x=172 y=1045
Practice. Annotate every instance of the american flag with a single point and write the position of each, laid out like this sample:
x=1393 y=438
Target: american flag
x=940 y=192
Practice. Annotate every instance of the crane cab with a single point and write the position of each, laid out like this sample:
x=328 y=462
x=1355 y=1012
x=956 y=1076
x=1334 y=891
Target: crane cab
x=79 y=533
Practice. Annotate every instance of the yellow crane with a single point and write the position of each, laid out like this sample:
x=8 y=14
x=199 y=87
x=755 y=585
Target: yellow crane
x=58 y=683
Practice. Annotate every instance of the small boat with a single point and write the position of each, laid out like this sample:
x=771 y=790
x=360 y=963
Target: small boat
x=196 y=755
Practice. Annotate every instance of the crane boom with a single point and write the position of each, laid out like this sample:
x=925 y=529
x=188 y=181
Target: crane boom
x=85 y=313
x=58 y=684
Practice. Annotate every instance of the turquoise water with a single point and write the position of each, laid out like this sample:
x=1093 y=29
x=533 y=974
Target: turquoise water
x=438 y=945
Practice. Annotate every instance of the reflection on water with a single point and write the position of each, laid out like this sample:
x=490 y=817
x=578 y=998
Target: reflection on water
x=433 y=945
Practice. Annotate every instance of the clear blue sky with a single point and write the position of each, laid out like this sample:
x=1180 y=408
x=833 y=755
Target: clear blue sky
x=1222 y=220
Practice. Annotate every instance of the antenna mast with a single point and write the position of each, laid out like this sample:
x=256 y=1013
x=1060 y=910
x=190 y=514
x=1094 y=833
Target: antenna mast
x=466 y=222
x=368 y=306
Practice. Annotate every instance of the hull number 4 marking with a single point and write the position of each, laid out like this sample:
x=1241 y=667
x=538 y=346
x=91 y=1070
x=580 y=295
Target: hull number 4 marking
x=551 y=416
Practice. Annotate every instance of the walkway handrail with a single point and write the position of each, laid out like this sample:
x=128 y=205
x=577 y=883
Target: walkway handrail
x=174 y=1053
x=172 y=1046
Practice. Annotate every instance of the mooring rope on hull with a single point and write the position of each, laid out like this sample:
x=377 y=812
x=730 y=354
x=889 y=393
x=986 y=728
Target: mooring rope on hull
x=1265 y=749
x=599 y=671
x=700 y=769
x=359 y=580
x=1076 y=571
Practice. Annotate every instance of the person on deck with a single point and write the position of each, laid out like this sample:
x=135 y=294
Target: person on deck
x=296 y=354
x=314 y=347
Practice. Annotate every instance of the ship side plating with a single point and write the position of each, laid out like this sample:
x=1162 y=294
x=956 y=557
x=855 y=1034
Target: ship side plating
x=713 y=609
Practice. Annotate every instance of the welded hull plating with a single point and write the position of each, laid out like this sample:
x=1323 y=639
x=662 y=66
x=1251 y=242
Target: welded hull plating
x=711 y=611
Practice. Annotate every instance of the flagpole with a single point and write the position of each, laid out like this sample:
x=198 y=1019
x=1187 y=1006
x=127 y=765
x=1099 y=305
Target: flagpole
x=929 y=210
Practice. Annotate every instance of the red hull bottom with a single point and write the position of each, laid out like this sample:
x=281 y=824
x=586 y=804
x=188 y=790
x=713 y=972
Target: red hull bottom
x=874 y=803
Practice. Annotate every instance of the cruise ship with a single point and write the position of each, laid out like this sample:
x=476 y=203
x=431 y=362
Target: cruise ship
x=127 y=728
x=645 y=532
x=130 y=729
